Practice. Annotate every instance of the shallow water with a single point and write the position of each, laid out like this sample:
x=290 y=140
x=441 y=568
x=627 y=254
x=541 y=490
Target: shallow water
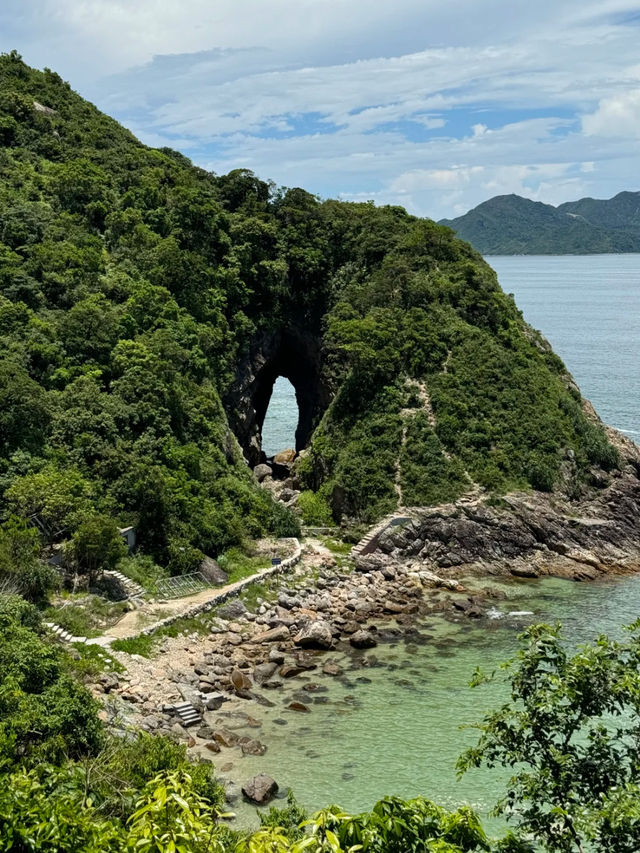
x=398 y=731
x=395 y=727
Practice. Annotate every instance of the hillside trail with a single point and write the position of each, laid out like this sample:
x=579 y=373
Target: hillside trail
x=135 y=621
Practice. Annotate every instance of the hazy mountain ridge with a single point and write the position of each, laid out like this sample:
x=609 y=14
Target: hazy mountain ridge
x=513 y=225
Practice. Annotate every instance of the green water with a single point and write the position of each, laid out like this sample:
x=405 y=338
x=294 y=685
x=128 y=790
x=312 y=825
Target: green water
x=400 y=733
x=395 y=728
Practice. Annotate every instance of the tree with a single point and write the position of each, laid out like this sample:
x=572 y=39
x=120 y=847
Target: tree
x=570 y=732
x=96 y=546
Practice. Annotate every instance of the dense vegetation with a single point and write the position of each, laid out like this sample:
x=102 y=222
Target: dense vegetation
x=512 y=225
x=133 y=285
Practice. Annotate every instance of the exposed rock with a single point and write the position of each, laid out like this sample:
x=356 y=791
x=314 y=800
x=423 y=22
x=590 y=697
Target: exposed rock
x=240 y=681
x=232 y=609
x=290 y=670
x=363 y=640
x=212 y=746
x=260 y=790
x=331 y=668
x=250 y=746
x=264 y=671
x=316 y=635
x=226 y=737
x=212 y=571
x=285 y=457
x=274 y=635
x=261 y=471
x=298 y=706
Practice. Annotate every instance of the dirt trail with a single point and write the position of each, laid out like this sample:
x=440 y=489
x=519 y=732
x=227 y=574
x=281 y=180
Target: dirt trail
x=133 y=622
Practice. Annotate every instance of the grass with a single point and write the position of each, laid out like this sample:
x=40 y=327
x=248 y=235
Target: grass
x=239 y=565
x=145 y=644
x=336 y=546
x=90 y=661
x=85 y=615
x=141 y=645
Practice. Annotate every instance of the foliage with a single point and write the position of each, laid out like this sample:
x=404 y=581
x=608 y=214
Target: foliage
x=314 y=509
x=45 y=714
x=134 y=286
x=96 y=546
x=570 y=735
x=21 y=568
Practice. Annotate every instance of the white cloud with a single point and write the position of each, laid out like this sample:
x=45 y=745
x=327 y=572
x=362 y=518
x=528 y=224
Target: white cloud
x=432 y=105
x=616 y=116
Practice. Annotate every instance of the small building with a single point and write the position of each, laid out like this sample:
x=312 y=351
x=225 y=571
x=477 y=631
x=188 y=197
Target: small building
x=129 y=536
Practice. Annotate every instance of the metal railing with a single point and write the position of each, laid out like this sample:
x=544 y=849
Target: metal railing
x=182 y=585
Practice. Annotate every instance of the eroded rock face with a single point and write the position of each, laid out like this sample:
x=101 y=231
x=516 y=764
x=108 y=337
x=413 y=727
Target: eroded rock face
x=291 y=352
x=526 y=534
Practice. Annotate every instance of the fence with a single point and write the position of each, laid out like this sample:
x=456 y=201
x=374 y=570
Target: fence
x=182 y=585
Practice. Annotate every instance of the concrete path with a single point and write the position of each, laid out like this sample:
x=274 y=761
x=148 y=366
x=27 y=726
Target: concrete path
x=158 y=614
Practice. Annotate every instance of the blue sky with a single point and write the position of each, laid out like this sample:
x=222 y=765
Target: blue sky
x=435 y=106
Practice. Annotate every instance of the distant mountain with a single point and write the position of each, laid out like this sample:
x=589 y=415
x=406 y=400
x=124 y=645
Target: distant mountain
x=512 y=225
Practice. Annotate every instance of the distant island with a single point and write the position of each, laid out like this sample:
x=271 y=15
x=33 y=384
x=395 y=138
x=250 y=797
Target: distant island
x=512 y=225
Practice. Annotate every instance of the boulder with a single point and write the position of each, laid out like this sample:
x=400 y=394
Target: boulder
x=363 y=640
x=274 y=635
x=316 y=635
x=290 y=670
x=285 y=457
x=240 y=681
x=264 y=671
x=226 y=737
x=260 y=790
x=298 y=706
x=261 y=471
x=212 y=571
x=251 y=746
x=232 y=609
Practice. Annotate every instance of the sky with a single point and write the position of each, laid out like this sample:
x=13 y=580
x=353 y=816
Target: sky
x=436 y=106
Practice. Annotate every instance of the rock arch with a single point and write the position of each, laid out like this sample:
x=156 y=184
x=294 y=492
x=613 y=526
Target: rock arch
x=294 y=353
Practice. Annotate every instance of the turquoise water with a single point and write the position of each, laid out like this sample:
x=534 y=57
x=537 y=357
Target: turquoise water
x=279 y=428
x=395 y=728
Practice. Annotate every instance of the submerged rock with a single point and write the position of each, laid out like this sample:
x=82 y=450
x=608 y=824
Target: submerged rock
x=363 y=640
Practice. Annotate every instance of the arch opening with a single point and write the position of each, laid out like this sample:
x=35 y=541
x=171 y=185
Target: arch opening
x=291 y=354
x=278 y=431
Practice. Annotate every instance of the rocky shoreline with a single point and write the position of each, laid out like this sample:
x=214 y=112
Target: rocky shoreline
x=329 y=607
x=248 y=660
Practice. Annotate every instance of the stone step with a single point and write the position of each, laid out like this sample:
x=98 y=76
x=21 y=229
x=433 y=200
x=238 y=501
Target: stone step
x=187 y=714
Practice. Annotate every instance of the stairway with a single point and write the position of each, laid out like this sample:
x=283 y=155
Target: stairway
x=188 y=714
x=132 y=589
x=62 y=634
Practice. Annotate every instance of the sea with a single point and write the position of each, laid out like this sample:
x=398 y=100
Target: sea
x=397 y=725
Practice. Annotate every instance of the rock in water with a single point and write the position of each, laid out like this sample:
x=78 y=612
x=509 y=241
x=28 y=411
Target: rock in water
x=363 y=640
x=240 y=681
x=316 y=635
x=260 y=790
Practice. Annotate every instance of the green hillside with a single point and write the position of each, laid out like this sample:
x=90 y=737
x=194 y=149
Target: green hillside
x=512 y=225
x=146 y=307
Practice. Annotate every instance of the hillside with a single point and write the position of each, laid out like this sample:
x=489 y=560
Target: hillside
x=147 y=307
x=512 y=225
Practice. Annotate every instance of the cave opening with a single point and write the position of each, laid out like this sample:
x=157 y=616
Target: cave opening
x=290 y=355
x=281 y=420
